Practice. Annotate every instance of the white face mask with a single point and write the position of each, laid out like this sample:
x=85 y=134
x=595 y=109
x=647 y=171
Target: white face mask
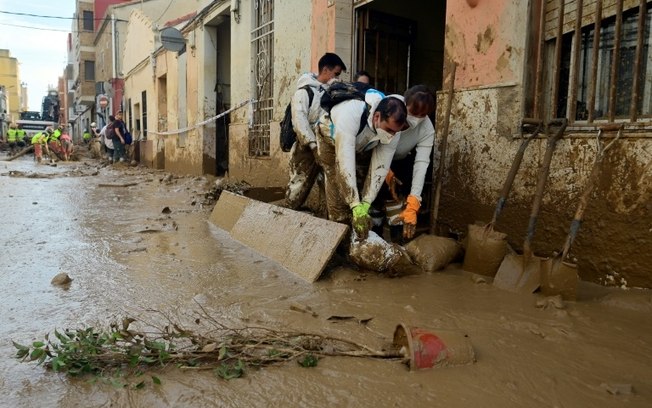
x=414 y=121
x=384 y=136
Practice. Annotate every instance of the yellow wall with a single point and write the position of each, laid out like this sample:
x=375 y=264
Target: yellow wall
x=9 y=77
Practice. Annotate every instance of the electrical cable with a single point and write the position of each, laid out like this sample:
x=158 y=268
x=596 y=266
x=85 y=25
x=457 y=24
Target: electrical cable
x=14 y=13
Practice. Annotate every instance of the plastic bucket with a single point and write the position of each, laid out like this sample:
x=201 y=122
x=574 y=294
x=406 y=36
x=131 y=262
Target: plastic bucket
x=485 y=250
x=427 y=348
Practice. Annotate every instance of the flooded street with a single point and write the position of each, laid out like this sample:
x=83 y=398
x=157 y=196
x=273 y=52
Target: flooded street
x=108 y=229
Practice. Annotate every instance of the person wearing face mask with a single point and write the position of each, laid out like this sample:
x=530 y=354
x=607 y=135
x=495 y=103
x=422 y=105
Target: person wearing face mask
x=412 y=156
x=305 y=114
x=356 y=128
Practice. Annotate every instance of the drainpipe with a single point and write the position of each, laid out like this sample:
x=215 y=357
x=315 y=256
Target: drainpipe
x=114 y=59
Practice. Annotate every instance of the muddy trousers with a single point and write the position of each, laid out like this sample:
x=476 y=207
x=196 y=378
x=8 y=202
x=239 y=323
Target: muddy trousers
x=66 y=149
x=38 y=152
x=55 y=148
x=118 y=151
x=338 y=209
x=303 y=173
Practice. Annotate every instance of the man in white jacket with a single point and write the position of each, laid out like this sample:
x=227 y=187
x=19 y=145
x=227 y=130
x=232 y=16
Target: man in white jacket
x=412 y=156
x=303 y=167
x=342 y=135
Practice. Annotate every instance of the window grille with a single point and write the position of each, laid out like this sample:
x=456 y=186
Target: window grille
x=575 y=81
x=262 y=41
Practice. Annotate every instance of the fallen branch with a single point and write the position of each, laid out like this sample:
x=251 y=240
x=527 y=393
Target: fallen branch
x=20 y=153
x=117 y=185
x=119 y=349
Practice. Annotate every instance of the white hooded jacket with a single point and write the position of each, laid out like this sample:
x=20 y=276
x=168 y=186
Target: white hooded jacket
x=422 y=137
x=305 y=117
x=344 y=126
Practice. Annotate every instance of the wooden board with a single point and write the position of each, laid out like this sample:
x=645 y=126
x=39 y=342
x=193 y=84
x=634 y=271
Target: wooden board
x=301 y=243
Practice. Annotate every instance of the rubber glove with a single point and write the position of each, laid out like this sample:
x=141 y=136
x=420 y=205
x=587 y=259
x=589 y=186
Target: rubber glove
x=392 y=181
x=361 y=220
x=409 y=216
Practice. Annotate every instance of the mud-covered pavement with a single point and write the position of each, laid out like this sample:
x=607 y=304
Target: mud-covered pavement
x=127 y=257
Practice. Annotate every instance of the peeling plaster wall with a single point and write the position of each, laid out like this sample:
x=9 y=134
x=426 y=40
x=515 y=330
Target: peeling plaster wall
x=184 y=151
x=292 y=39
x=488 y=42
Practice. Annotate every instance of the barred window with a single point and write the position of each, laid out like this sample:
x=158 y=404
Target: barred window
x=262 y=41
x=575 y=81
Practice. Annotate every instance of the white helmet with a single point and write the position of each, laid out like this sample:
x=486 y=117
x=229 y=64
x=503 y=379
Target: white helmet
x=93 y=124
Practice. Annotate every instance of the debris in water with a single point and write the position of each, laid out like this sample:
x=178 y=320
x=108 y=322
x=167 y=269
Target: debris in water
x=551 y=301
x=61 y=279
x=618 y=389
x=478 y=279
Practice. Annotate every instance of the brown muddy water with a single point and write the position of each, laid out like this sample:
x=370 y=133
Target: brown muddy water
x=64 y=221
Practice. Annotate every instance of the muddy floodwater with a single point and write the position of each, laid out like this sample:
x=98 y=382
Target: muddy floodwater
x=129 y=257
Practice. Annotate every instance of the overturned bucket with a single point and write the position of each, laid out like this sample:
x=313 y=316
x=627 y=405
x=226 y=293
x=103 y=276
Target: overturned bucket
x=427 y=348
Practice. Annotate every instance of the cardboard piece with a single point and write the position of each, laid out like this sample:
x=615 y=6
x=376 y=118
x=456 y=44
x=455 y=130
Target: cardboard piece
x=301 y=243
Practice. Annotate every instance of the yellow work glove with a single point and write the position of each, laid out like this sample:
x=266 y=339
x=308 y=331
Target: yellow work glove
x=392 y=181
x=409 y=216
x=361 y=220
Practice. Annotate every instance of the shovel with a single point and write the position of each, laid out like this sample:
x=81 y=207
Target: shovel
x=486 y=248
x=559 y=275
x=522 y=273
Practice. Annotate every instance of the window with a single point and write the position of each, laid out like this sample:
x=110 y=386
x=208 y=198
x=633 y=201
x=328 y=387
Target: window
x=88 y=21
x=614 y=82
x=89 y=70
x=262 y=41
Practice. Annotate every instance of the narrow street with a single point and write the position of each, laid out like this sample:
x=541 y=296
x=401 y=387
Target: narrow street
x=129 y=257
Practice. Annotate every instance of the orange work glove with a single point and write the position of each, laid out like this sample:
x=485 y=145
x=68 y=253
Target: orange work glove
x=409 y=216
x=392 y=181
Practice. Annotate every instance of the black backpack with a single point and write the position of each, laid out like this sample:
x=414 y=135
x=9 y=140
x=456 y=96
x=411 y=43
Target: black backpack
x=340 y=92
x=288 y=135
x=344 y=91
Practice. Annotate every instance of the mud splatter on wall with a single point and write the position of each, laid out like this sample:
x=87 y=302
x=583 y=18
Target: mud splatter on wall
x=489 y=42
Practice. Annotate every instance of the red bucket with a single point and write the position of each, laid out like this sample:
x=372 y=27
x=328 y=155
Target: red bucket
x=428 y=348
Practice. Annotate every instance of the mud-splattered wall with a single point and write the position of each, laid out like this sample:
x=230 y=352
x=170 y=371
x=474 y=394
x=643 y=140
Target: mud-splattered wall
x=303 y=32
x=488 y=42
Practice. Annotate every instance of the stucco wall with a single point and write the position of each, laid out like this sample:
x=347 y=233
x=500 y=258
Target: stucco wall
x=292 y=57
x=488 y=42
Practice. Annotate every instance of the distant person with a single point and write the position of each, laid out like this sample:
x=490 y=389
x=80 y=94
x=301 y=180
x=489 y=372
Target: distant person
x=11 y=138
x=38 y=141
x=67 y=146
x=86 y=137
x=119 y=129
x=107 y=141
x=21 y=135
x=362 y=81
x=303 y=167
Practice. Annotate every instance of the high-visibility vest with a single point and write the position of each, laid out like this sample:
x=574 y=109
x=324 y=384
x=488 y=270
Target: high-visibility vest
x=55 y=136
x=38 y=138
x=20 y=134
x=87 y=136
x=11 y=135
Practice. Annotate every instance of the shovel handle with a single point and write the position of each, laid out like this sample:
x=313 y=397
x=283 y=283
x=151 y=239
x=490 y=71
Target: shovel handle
x=543 y=177
x=588 y=189
x=516 y=164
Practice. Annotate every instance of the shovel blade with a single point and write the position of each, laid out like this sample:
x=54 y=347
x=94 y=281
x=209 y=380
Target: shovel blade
x=518 y=273
x=560 y=278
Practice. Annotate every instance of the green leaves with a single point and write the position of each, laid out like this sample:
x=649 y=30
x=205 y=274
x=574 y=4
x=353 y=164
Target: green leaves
x=230 y=371
x=309 y=360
